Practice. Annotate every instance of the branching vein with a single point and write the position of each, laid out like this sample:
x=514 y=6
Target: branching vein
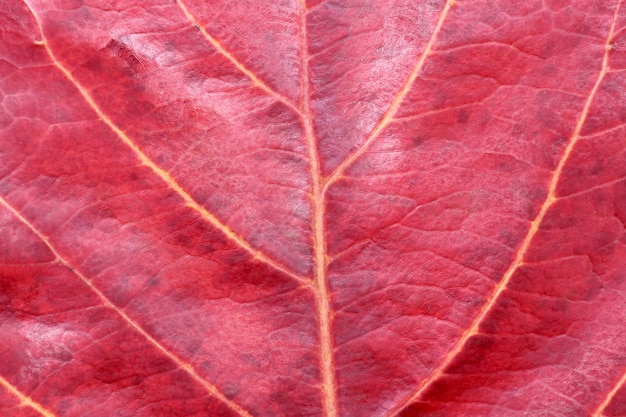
x=551 y=198
x=322 y=293
x=165 y=175
x=238 y=64
x=388 y=117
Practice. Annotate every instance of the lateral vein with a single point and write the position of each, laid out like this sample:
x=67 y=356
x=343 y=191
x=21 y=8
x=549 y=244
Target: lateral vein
x=322 y=293
x=388 y=117
x=238 y=64
x=212 y=389
x=518 y=261
x=599 y=411
x=163 y=174
x=25 y=400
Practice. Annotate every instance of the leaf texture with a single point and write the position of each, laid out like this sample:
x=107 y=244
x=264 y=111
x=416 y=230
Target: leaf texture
x=383 y=208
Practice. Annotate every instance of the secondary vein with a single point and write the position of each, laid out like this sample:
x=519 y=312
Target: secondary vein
x=550 y=199
x=25 y=400
x=163 y=174
x=388 y=117
x=238 y=64
x=599 y=411
x=212 y=389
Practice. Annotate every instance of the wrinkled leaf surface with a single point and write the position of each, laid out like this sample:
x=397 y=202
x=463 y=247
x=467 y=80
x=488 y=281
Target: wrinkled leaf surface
x=328 y=209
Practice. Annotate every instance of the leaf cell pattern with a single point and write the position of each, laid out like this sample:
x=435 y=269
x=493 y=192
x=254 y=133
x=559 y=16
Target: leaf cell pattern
x=382 y=208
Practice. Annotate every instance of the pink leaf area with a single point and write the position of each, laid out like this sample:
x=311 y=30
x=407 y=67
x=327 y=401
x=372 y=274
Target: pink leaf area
x=321 y=208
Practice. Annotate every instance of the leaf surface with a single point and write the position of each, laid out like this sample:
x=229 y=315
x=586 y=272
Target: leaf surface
x=331 y=208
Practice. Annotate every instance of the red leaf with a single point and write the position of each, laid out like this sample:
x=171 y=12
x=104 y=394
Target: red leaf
x=339 y=208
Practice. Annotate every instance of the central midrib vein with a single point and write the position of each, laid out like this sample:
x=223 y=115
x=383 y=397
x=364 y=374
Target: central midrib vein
x=322 y=293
